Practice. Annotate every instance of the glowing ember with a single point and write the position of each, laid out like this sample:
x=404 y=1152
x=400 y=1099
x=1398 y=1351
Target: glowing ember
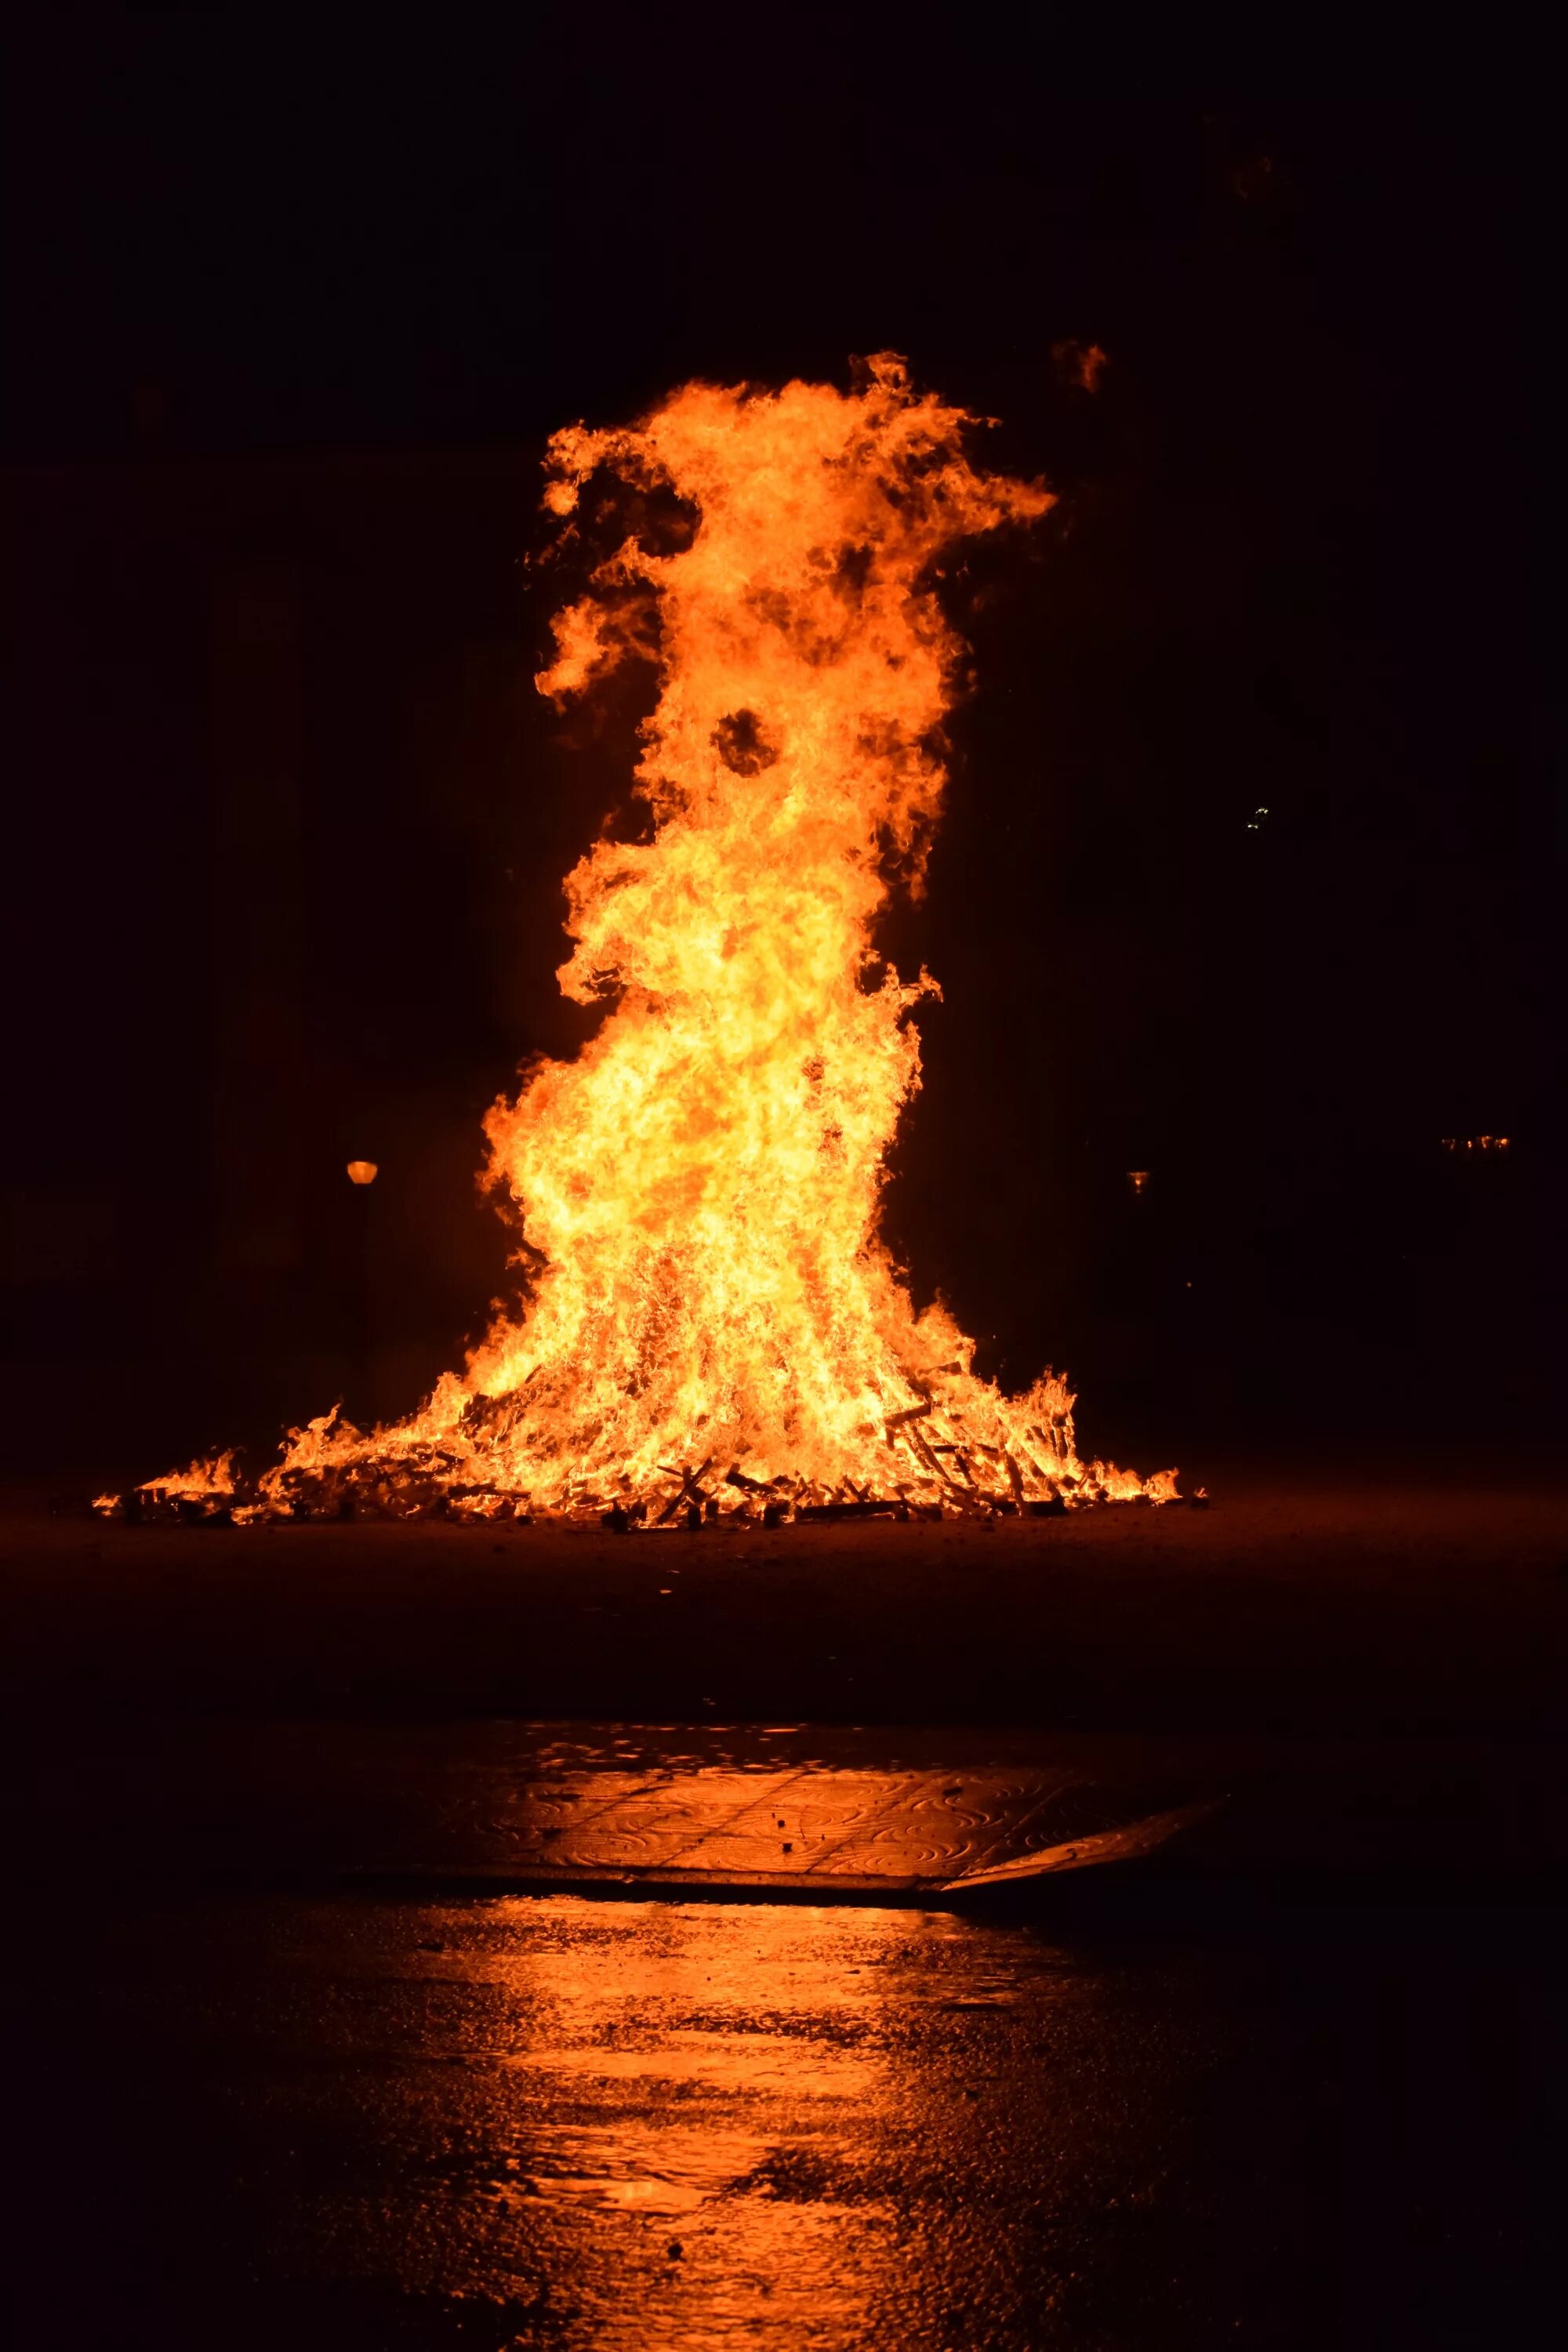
x=362 y=1171
x=712 y=1325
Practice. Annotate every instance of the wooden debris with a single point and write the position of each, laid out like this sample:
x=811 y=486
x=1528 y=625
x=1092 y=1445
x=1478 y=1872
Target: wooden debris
x=925 y=1457
x=688 y=1495
x=435 y=1480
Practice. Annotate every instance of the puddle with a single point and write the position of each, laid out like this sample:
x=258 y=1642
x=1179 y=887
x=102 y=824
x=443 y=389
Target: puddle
x=630 y=2172
x=726 y=2062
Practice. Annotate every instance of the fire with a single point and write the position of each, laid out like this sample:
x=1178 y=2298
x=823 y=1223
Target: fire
x=712 y=1325
x=203 y=1489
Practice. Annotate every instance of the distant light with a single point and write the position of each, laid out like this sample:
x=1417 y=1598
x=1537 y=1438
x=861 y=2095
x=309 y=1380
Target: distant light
x=1474 y=1143
x=1083 y=364
x=1138 y=1180
x=362 y=1171
x=1255 y=821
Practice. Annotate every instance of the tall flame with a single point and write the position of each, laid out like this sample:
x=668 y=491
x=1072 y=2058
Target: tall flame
x=698 y=1189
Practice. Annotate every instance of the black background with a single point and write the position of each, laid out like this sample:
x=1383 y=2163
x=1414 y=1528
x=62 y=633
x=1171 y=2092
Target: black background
x=293 y=313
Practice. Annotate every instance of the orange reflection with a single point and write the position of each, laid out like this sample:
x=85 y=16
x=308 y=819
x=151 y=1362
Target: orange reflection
x=713 y=2079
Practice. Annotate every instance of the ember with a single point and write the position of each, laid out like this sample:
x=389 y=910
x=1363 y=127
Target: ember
x=712 y=1327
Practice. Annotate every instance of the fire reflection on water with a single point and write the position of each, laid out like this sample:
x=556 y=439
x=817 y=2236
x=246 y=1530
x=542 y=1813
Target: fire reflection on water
x=365 y=2120
x=619 y=2126
x=705 y=2094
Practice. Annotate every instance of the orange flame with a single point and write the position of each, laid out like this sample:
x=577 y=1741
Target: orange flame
x=712 y=1318
x=204 y=1488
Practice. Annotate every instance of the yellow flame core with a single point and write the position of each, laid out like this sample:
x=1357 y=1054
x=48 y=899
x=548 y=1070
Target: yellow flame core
x=700 y=1187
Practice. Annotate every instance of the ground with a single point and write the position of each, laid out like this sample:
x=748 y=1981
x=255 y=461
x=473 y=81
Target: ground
x=1300 y=1602
x=1298 y=2085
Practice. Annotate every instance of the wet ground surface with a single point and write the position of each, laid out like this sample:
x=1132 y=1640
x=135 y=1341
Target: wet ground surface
x=285 y=2067
x=128 y=1801
x=268 y=2084
x=766 y=1809
x=256 y=2120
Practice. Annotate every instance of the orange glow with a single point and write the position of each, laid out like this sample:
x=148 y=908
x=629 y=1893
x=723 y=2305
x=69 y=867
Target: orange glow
x=712 y=1325
x=1083 y=364
x=662 y=2057
x=362 y=1171
x=1474 y=1143
x=1138 y=1180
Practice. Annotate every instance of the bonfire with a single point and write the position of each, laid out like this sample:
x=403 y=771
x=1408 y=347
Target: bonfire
x=710 y=1326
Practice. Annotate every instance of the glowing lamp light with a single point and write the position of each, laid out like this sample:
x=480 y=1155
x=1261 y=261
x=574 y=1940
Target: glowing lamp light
x=362 y=1171
x=1138 y=1180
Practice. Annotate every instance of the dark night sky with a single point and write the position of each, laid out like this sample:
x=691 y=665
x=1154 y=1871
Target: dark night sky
x=291 y=314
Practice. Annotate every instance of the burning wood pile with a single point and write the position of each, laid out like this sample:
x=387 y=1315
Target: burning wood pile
x=334 y=1471
x=712 y=1328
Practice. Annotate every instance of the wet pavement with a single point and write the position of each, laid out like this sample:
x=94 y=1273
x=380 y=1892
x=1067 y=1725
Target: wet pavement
x=1169 y=2109
x=292 y=2061
x=554 y=2122
x=129 y=1802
